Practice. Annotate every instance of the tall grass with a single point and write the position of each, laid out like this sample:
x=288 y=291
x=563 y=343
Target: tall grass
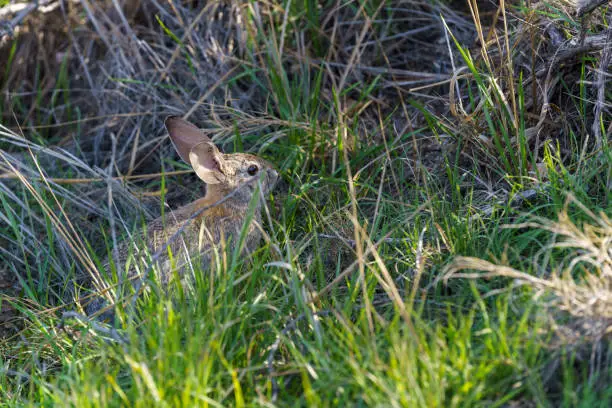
x=382 y=195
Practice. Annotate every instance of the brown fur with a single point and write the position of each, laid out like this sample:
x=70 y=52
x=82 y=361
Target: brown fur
x=218 y=225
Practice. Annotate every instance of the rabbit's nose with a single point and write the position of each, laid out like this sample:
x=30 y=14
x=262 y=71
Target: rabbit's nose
x=273 y=175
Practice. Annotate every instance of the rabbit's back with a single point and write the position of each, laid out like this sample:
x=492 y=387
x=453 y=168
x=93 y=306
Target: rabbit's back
x=195 y=240
x=213 y=230
x=190 y=241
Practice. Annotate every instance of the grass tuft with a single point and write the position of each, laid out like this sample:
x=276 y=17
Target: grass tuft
x=417 y=141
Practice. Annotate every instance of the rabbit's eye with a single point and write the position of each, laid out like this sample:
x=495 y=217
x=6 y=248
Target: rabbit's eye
x=252 y=170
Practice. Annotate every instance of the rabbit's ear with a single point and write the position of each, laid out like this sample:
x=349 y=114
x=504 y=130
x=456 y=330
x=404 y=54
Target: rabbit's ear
x=184 y=135
x=207 y=162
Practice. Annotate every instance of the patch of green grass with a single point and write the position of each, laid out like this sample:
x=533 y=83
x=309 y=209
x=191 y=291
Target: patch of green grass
x=344 y=305
x=246 y=333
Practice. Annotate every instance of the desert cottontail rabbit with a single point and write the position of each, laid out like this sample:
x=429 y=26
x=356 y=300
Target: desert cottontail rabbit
x=212 y=221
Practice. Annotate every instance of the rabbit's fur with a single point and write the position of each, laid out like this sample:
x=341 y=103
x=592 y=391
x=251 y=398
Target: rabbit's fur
x=232 y=180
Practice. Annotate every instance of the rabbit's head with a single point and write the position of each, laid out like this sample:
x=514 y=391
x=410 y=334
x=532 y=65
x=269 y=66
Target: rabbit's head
x=237 y=173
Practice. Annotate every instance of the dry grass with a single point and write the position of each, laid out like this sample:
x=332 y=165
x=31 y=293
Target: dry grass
x=404 y=130
x=581 y=283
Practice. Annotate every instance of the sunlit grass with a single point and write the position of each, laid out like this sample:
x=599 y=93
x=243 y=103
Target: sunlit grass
x=345 y=302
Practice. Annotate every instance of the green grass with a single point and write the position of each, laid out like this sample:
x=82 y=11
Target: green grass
x=357 y=221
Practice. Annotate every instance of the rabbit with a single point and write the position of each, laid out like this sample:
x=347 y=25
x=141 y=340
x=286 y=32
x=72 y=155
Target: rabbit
x=231 y=182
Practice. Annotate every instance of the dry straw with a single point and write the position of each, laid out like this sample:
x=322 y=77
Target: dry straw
x=580 y=286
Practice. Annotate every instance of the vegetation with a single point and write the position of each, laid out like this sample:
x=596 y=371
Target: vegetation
x=441 y=235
